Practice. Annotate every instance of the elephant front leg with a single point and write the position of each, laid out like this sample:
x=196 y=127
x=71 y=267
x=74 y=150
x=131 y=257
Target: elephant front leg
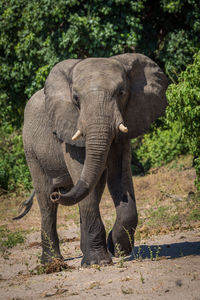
x=121 y=238
x=120 y=185
x=93 y=235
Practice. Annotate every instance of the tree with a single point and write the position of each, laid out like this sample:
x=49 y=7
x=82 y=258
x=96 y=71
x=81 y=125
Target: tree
x=37 y=34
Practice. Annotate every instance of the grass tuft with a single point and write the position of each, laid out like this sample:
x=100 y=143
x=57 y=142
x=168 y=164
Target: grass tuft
x=10 y=239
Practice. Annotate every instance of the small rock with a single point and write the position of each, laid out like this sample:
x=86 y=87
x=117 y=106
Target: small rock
x=182 y=237
x=126 y=290
x=179 y=282
x=94 y=285
x=127 y=278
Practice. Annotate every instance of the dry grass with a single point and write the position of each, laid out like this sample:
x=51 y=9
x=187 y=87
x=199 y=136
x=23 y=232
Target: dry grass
x=166 y=200
x=56 y=265
x=175 y=178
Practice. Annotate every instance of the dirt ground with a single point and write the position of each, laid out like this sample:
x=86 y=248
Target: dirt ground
x=174 y=273
x=165 y=263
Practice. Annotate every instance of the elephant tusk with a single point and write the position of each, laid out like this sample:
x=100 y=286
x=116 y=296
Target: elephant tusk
x=123 y=128
x=77 y=135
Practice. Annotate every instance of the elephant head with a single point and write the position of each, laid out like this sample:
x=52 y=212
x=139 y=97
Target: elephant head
x=93 y=101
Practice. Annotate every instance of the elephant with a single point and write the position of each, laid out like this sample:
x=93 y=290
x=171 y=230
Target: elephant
x=76 y=136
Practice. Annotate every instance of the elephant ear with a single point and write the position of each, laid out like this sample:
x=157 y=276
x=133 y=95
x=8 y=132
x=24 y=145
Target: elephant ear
x=147 y=100
x=63 y=114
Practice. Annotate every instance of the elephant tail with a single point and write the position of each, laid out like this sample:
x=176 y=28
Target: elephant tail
x=27 y=204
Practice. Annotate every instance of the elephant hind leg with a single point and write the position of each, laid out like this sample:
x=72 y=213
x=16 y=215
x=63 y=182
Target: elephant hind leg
x=49 y=236
x=48 y=211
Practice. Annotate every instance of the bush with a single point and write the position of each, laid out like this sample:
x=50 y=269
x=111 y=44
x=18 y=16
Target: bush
x=10 y=239
x=184 y=107
x=180 y=130
x=14 y=172
x=177 y=52
x=161 y=145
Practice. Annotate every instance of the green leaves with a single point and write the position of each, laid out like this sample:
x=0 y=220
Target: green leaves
x=14 y=173
x=184 y=106
x=177 y=52
x=10 y=239
x=162 y=145
x=173 y=6
x=35 y=35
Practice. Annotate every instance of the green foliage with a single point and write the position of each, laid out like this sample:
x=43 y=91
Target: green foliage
x=177 y=52
x=180 y=32
x=161 y=145
x=184 y=107
x=10 y=239
x=37 y=34
x=14 y=171
x=180 y=132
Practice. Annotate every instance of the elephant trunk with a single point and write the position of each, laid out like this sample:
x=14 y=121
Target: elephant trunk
x=98 y=140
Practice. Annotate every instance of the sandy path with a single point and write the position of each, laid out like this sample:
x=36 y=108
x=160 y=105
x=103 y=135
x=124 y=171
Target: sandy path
x=168 y=268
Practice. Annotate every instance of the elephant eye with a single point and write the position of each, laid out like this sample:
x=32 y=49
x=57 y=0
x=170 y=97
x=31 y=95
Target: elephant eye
x=76 y=100
x=121 y=92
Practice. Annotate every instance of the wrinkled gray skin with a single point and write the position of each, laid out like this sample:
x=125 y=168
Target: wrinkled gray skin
x=94 y=95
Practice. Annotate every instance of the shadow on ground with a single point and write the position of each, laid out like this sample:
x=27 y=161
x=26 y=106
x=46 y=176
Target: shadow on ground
x=170 y=251
x=72 y=258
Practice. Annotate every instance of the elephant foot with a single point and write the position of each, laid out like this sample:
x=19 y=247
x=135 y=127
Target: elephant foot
x=101 y=258
x=119 y=245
